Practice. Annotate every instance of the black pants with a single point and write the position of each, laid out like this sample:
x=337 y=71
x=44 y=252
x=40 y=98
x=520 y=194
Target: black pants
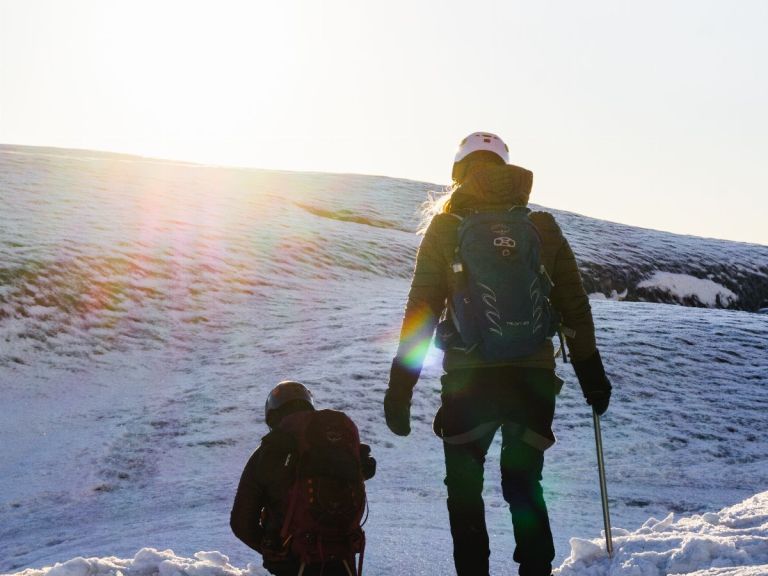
x=523 y=401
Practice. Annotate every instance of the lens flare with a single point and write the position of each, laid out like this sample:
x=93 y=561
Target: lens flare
x=416 y=336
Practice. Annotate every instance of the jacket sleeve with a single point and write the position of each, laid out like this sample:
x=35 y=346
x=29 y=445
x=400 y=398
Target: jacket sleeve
x=570 y=299
x=245 y=518
x=426 y=301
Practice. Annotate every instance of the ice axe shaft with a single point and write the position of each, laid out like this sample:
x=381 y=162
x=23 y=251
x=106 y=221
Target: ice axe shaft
x=603 y=488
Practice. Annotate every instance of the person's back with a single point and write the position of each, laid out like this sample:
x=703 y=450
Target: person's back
x=499 y=187
x=481 y=395
x=275 y=510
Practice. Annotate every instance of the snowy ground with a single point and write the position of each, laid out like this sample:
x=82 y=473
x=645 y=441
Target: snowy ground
x=146 y=308
x=731 y=542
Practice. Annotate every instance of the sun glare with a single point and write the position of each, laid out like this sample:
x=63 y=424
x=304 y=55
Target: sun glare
x=389 y=88
x=174 y=79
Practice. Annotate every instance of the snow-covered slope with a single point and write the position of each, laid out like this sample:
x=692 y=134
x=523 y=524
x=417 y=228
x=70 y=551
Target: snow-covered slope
x=147 y=307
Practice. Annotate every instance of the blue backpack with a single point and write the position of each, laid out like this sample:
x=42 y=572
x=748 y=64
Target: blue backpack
x=499 y=302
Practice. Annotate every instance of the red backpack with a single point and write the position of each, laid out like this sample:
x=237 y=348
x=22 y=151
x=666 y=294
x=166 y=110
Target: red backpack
x=326 y=500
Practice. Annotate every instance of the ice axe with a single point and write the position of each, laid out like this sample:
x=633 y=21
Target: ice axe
x=603 y=488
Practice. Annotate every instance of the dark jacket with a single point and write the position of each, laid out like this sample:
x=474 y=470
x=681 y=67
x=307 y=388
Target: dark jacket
x=260 y=502
x=495 y=187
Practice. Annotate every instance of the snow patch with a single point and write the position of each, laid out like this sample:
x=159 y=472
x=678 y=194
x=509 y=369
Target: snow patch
x=615 y=295
x=709 y=293
x=148 y=561
x=732 y=542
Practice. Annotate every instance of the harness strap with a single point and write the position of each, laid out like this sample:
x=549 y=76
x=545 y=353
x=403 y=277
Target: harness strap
x=475 y=434
x=284 y=536
x=527 y=435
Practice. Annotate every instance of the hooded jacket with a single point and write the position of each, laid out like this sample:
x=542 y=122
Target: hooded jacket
x=493 y=187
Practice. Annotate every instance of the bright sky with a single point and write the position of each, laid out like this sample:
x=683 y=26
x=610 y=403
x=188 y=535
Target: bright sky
x=653 y=112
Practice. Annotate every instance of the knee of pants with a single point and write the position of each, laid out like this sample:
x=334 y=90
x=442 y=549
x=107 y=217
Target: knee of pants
x=464 y=484
x=520 y=486
x=521 y=460
x=463 y=472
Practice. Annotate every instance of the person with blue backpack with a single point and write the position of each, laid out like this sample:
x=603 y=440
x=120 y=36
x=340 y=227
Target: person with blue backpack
x=493 y=283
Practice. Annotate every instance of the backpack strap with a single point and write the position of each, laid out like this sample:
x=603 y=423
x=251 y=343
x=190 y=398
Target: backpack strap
x=284 y=536
x=362 y=556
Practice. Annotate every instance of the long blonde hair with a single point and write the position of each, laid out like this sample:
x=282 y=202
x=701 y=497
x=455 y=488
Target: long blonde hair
x=437 y=202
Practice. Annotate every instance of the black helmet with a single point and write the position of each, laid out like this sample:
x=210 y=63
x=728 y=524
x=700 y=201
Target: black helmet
x=287 y=392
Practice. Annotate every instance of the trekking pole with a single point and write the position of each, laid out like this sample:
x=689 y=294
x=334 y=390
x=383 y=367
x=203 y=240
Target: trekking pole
x=603 y=488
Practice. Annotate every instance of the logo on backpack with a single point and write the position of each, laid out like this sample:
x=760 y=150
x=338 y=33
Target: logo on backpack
x=499 y=302
x=326 y=500
x=504 y=242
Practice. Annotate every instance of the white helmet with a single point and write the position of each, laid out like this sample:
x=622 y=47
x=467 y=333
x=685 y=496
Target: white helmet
x=478 y=141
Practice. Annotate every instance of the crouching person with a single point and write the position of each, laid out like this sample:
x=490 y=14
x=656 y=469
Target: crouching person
x=301 y=497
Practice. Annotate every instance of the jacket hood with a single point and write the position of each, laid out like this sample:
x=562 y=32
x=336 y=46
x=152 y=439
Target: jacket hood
x=494 y=185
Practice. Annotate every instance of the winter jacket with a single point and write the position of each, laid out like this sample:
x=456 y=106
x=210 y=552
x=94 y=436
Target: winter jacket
x=495 y=187
x=258 y=511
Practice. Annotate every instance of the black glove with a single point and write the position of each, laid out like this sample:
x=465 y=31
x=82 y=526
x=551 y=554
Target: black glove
x=397 y=411
x=397 y=399
x=593 y=381
x=367 y=462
